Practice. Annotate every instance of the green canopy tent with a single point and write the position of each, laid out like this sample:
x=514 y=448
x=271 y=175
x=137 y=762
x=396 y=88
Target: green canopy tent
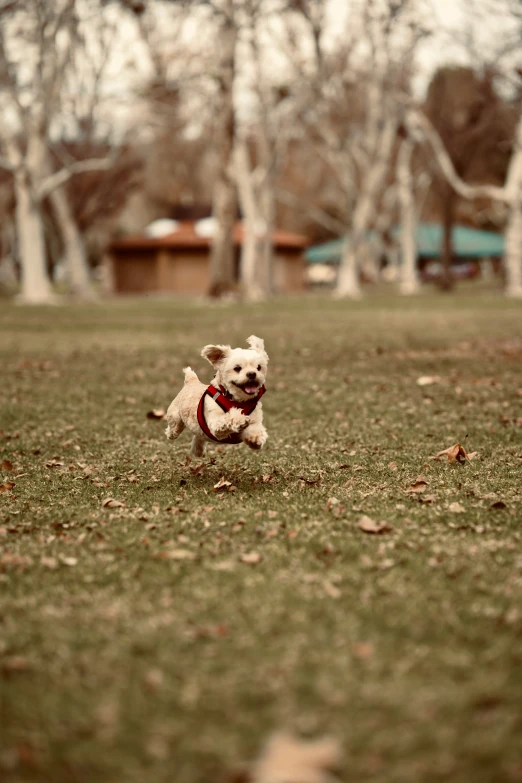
x=468 y=243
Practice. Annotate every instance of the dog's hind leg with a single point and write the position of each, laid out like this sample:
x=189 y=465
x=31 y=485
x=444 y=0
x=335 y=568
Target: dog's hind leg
x=175 y=424
x=198 y=447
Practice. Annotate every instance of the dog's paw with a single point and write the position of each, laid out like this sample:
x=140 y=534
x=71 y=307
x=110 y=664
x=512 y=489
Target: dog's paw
x=237 y=420
x=255 y=437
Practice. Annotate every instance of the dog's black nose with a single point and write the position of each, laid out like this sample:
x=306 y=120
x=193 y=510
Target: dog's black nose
x=251 y=376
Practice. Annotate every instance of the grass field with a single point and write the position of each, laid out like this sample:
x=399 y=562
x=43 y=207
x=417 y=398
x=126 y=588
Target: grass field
x=137 y=645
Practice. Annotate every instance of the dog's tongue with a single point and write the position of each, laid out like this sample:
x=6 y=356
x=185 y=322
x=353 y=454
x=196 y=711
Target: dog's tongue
x=250 y=388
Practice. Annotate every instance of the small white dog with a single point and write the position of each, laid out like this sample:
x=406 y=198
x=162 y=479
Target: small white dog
x=229 y=410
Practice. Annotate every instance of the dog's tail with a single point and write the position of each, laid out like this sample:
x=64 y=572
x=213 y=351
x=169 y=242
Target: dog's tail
x=190 y=375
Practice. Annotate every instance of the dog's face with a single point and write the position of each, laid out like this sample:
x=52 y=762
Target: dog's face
x=241 y=371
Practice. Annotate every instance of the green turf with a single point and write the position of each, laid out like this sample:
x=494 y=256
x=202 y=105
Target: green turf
x=121 y=663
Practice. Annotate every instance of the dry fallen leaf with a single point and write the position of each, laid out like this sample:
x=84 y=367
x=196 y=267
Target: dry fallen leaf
x=222 y=484
x=154 y=679
x=427 y=380
x=179 y=554
x=363 y=650
x=456 y=508
x=7 y=465
x=7 y=487
x=251 y=558
x=332 y=590
x=49 y=562
x=54 y=463
x=157 y=413
x=112 y=503
x=418 y=486
x=16 y=663
x=289 y=759
x=455 y=453
x=68 y=561
x=369 y=525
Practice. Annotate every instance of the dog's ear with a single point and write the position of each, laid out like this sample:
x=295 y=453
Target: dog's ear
x=256 y=343
x=215 y=353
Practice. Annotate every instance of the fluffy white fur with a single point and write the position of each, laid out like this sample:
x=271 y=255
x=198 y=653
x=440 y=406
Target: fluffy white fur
x=241 y=372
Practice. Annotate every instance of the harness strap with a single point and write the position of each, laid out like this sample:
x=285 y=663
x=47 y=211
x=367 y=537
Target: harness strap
x=226 y=404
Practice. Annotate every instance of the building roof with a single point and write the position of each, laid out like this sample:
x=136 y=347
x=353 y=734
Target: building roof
x=186 y=237
x=467 y=243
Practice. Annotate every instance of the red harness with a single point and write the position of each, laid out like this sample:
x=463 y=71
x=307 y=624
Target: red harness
x=226 y=404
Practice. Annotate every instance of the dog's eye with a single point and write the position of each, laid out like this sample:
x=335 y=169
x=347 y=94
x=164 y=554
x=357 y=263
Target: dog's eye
x=237 y=368
x=258 y=367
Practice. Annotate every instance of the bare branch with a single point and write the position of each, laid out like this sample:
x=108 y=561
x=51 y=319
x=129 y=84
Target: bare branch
x=422 y=123
x=317 y=214
x=59 y=178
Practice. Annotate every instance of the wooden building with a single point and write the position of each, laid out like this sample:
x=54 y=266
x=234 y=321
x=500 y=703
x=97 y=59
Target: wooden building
x=179 y=262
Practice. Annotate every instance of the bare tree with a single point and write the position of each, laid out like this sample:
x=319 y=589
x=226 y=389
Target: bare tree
x=43 y=35
x=350 y=105
x=261 y=141
x=409 y=279
x=222 y=272
x=510 y=193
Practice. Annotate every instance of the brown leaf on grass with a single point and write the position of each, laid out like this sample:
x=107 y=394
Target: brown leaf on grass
x=68 y=561
x=331 y=502
x=54 y=463
x=456 y=453
x=288 y=759
x=49 y=562
x=363 y=650
x=177 y=554
x=198 y=470
x=456 y=508
x=7 y=487
x=418 y=486
x=250 y=558
x=15 y=664
x=112 y=503
x=180 y=554
x=153 y=679
x=156 y=413
x=369 y=525
x=221 y=484
x=498 y=504
x=7 y=465
x=331 y=590
x=15 y=561
x=427 y=380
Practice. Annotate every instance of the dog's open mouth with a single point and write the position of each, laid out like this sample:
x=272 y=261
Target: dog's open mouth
x=249 y=387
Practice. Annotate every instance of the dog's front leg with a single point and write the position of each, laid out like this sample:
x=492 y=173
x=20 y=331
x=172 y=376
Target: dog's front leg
x=222 y=425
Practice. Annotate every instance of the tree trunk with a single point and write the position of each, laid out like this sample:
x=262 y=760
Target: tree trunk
x=267 y=247
x=448 y=219
x=513 y=249
x=409 y=277
x=348 y=284
x=36 y=287
x=253 y=226
x=348 y=278
x=513 y=234
x=76 y=264
x=222 y=277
